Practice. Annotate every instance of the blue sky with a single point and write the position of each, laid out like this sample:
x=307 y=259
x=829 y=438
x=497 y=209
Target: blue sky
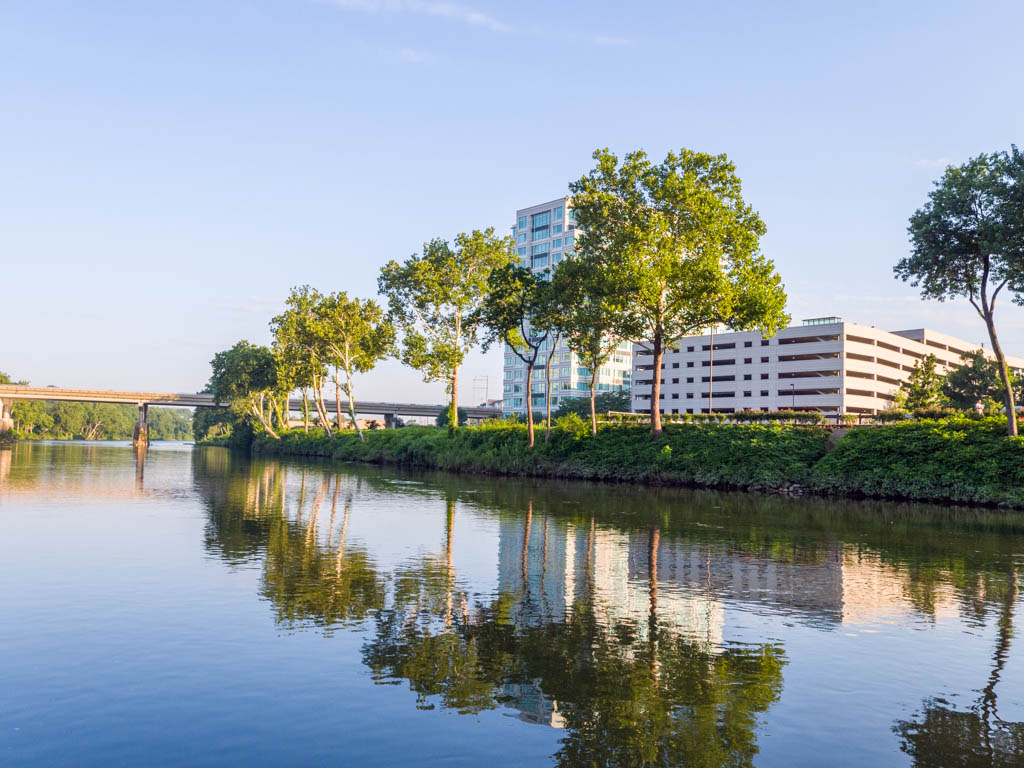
x=169 y=170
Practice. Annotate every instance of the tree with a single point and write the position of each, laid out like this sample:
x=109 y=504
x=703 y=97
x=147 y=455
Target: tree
x=976 y=380
x=354 y=335
x=590 y=311
x=968 y=241
x=245 y=378
x=681 y=248
x=603 y=402
x=923 y=389
x=444 y=416
x=435 y=299
x=518 y=314
x=296 y=341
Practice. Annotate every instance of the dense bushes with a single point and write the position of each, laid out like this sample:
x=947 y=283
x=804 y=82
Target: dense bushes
x=961 y=460
x=745 y=456
x=958 y=460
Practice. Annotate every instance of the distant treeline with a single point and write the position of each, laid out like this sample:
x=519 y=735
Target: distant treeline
x=58 y=420
x=41 y=419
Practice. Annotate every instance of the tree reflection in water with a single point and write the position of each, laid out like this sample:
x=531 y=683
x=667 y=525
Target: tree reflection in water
x=636 y=684
x=943 y=736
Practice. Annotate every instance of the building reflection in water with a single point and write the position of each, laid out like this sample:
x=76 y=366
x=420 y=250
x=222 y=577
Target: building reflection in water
x=612 y=630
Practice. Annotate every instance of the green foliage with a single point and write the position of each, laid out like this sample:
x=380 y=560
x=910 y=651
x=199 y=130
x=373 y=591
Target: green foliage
x=679 y=245
x=436 y=298
x=245 y=379
x=742 y=456
x=953 y=460
x=571 y=423
x=968 y=242
x=603 y=402
x=977 y=380
x=923 y=388
x=45 y=420
x=444 y=416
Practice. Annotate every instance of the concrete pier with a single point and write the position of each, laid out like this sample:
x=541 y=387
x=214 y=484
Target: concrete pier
x=140 y=437
x=6 y=422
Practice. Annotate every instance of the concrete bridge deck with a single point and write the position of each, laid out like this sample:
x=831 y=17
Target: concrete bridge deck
x=12 y=392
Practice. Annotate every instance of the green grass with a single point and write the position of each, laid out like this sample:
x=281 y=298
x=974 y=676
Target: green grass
x=726 y=456
x=956 y=460
x=953 y=460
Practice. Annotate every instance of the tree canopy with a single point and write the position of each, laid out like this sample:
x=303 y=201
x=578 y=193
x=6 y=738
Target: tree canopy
x=967 y=241
x=435 y=299
x=681 y=244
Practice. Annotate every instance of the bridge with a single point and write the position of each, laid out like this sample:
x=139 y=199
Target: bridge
x=11 y=392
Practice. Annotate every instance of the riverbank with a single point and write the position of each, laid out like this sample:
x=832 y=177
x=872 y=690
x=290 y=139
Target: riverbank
x=954 y=461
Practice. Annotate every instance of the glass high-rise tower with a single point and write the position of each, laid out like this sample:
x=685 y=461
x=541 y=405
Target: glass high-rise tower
x=544 y=235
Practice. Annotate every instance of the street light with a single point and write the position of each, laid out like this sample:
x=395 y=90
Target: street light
x=792 y=389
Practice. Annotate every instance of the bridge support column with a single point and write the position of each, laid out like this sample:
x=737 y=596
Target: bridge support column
x=6 y=422
x=389 y=421
x=140 y=438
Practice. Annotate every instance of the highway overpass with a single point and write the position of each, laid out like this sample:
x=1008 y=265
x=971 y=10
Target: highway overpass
x=12 y=392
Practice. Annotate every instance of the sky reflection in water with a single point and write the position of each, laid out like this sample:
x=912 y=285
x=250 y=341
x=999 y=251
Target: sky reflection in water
x=200 y=608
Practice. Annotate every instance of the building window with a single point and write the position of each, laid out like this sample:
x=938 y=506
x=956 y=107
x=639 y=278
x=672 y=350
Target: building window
x=541 y=219
x=689 y=395
x=746 y=394
x=764 y=376
x=748 y=343
x=690 y=364
x=675 y=395
x=689 y=379
x=764 y=342
x=556 y=243
x=689 y=349
x=540 y=261
x=521 y=238
x=540 y=234
x=764 y=359
x=557 y=214
x=556 y=229
x=748 y=360
x=675 y=365
x=764 y=393
x=522 y=222
x=521 y=251
x=540 y=250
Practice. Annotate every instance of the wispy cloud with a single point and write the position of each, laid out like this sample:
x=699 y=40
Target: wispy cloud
x=444 y=10
x=413 y=56
x=619 y=42
x=931 y=163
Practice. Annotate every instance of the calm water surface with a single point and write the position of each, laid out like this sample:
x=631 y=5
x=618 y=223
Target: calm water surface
x=199 y=608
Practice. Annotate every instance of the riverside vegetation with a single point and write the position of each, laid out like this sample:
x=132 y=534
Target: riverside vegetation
x=955 y=460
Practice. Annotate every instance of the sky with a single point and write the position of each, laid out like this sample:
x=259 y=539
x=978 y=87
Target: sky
x=169 y=170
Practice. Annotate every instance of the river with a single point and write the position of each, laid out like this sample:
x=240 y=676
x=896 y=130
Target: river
x=202 y=608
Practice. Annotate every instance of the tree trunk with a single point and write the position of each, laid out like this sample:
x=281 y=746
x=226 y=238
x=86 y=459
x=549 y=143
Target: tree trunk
x=453 y=406
x=337 y=398
x=1004 y=375
x=593 y=401
x=257 y=411
x=656 y=388
x=547 y=398
x=305 y=410
x=321 y=408
x=352 y=408
x=529 y=402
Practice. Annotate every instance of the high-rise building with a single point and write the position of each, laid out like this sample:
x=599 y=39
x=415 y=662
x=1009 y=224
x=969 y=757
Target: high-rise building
x=825 y=365
x=544 y=235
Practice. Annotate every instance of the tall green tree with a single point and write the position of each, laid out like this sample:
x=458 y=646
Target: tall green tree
x=299 y=349
x=517 y=313
x=923 y=389
x=354 y=335
x=435 y=298
x=590 y=312
x=967 y=241
x=245 y=378
x=681 y=244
